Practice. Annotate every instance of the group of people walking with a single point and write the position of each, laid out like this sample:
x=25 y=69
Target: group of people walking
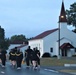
x=31 y=57
x=16 y=57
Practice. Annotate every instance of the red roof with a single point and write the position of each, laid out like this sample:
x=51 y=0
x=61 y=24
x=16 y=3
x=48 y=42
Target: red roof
x=66 y=46
x=44 y=34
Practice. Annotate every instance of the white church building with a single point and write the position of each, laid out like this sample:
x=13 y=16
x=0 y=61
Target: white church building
x=56 y=41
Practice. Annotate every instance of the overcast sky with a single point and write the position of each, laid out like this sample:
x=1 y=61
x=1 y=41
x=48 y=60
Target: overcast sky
x=30 y=17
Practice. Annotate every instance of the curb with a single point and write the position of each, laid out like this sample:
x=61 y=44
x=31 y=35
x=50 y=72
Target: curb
x=70 y=65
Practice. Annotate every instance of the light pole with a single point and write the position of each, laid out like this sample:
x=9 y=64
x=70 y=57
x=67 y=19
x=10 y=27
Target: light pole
x=60 y=18
x=59 y=39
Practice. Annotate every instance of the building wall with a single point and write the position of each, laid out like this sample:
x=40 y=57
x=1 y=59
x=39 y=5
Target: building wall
x=23 y=49
x=68 y=34
x=51 y=41
x=69 y=37
x=70 y=52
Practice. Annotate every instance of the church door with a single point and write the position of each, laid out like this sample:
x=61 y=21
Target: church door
x=64 y=52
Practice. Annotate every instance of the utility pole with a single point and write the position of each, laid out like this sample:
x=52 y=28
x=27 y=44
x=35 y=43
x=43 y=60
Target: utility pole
x=59 y=39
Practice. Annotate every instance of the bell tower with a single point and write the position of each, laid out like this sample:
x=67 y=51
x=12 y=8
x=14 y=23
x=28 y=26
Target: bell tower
x=62 y=17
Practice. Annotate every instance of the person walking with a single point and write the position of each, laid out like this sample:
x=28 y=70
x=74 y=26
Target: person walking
x=28 y=56
x=3 y=57
x=38 y=57
x=13 y=57
x=34 y=58
x=10 y=56
x=19 y=57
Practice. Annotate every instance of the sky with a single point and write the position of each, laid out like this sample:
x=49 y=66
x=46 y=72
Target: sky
x=30 y=17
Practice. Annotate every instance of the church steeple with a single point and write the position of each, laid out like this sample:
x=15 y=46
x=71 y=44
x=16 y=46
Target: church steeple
x=62 y=17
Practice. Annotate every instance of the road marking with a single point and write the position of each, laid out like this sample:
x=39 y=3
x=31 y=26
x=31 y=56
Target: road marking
x=51 y=70
x=2 y=72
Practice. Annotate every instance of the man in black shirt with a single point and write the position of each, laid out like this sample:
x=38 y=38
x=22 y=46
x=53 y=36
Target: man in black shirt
x=19 y=57
x=13 y=56
x=28 y=56
x=3 y=57
x=38 y=57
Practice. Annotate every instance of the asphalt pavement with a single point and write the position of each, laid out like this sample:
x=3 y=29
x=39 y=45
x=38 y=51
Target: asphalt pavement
x=9 y=70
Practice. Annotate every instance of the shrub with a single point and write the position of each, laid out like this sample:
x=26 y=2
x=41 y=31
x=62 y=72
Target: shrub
x=73 y=55
x=46 y=55
x=54 y=55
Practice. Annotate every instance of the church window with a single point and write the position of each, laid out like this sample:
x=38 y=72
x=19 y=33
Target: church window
x=75 y=49
x=51 y=49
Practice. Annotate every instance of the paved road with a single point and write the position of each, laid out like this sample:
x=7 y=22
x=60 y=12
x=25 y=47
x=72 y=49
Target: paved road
x=8 y=70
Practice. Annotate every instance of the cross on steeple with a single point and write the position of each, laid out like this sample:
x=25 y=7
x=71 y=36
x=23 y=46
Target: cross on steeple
x=62 y=17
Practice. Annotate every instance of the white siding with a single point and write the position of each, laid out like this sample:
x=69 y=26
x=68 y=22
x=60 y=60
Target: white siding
x=68 y=34
x=51 y=41
x=23 y=48
x=70 y=52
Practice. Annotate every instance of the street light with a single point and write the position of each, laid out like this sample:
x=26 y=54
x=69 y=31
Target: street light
x=59 y=39
x=60 y=18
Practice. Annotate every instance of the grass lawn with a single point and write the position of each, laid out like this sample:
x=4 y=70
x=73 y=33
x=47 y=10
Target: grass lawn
x=57 y=62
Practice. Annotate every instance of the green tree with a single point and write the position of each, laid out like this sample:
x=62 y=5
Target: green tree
x=71 y=15
x=4 y=42
x=2 y=33
x=19 y=38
